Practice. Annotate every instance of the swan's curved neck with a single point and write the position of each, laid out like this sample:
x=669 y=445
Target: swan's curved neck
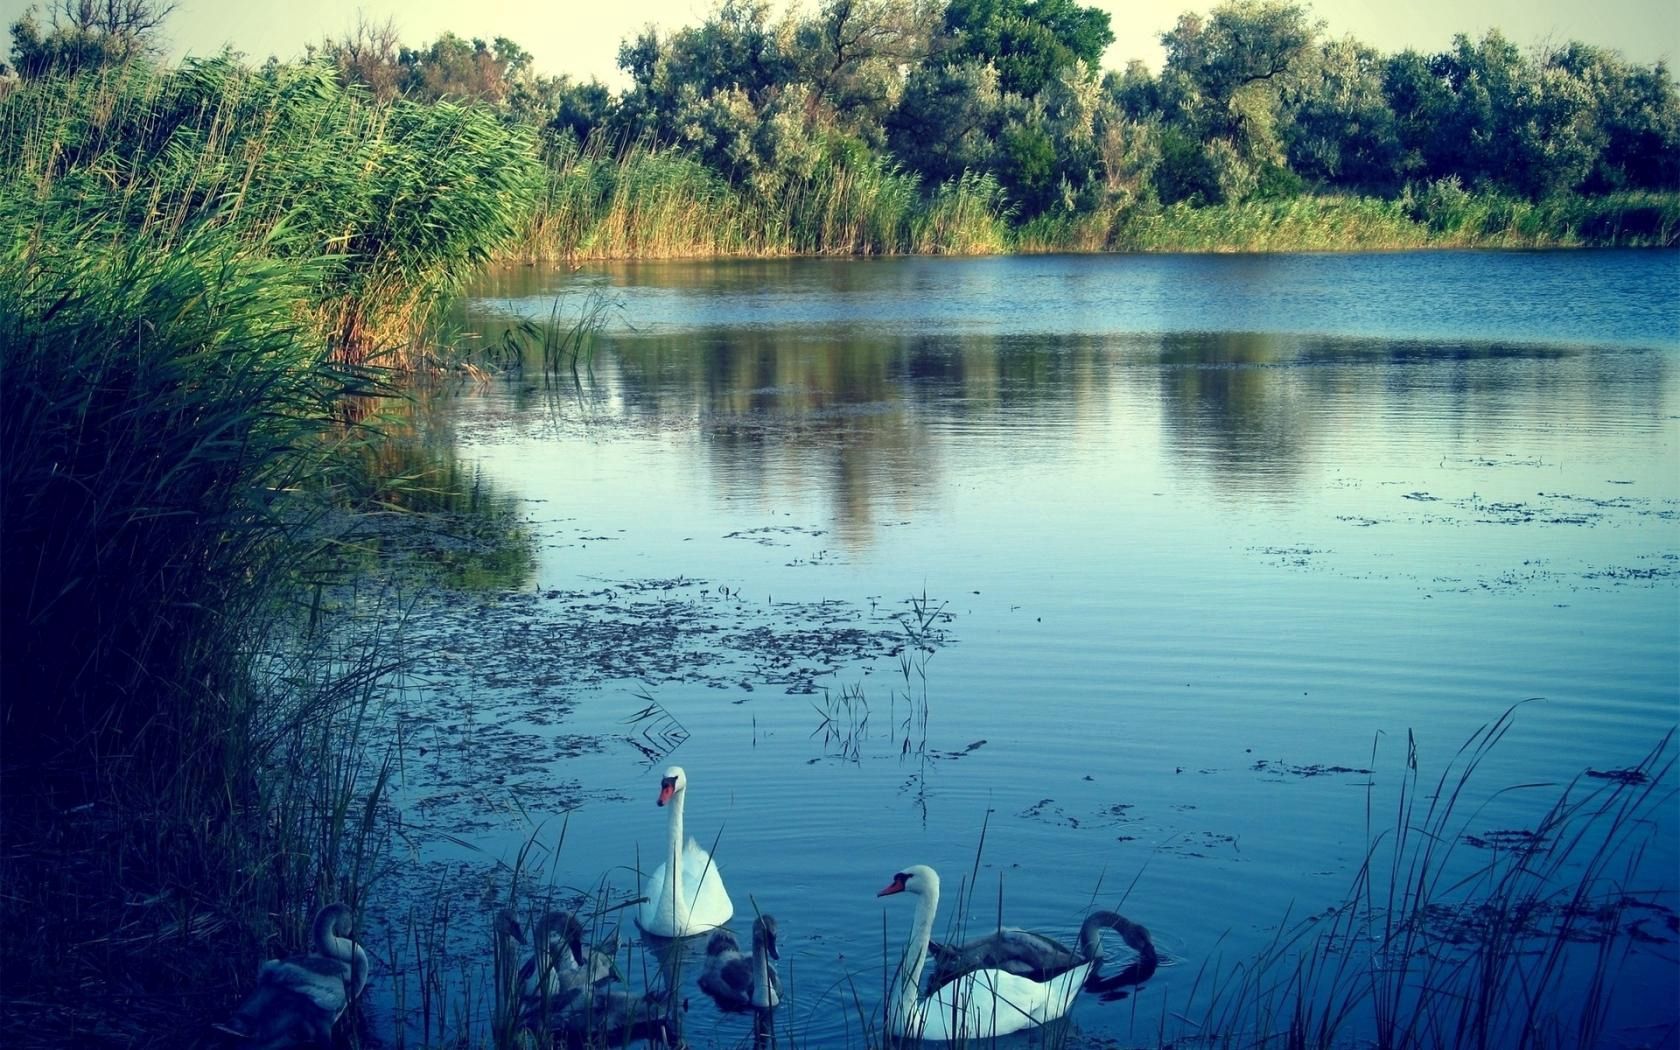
x=358 y=969
x=1090 y=933
x=916 y=948
x=761 y=979
x=328 y=942
x=679 y=905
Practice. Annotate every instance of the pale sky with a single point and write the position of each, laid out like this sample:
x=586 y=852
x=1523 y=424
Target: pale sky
x=581 y=37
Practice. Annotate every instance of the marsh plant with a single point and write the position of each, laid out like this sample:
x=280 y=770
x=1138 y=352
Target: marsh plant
x=608 y=199
x=185 y=774
x=1442 y=944
x=391 y=204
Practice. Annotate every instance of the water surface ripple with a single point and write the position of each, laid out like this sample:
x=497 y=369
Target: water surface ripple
x=1193 y=528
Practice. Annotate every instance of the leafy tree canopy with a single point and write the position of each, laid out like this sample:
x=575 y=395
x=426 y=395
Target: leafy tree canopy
x=1029 y=41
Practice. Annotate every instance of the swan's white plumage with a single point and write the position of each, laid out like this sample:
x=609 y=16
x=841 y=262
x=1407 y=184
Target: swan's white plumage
x=978 y=1005
x=693 y=899
x=707 y=903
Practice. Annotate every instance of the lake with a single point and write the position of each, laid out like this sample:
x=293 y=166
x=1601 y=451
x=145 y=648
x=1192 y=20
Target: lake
x=1143 y=569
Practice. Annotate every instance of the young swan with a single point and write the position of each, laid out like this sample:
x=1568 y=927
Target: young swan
x=980 y=1004
x=559 y=972
x=739 y=982
x=613 y=1017
x=1041 y=958
x=298 y=1000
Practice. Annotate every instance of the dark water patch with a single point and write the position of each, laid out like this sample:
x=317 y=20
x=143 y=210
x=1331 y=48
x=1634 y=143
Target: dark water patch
x=1279 y=769
x=664 y=630
x=1291 y=557
x=772 y=535
x=1529 y=923
x=1637 y=573
x=1482 y=462
x=1048 y=811
x=1202 y=845
x=1519 y=840
x=1620 y=776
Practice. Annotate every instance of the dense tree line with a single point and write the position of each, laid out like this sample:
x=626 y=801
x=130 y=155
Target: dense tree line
x=1255 y=100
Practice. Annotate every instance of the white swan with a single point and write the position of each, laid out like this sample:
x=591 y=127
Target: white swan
x=979 y=1004
x=297 y=1000
x=702 y=903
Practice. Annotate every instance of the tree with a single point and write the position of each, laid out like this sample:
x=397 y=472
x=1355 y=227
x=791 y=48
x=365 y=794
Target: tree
x=1229 y=75
x=947 y=120
x=136 y=21
x=369 y=53
x=1425 y=111
x=456 y=68
x=581 y=108
x=1338 y=127
x=1636 y=110
x=84 y=34
x=1243 y=46
x=1027 y=163
x=1029 y=41
x=851 y=53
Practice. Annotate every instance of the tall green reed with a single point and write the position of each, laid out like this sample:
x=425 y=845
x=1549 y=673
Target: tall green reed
x=1434 y=947
x=606 y=199
x=183 y=776
x=394 y=204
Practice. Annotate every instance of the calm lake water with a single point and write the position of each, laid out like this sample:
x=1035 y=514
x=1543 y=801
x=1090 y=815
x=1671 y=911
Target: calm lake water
x=1144 y=566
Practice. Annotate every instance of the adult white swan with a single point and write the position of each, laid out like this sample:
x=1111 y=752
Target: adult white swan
x=979 y=1004
x=685 y=894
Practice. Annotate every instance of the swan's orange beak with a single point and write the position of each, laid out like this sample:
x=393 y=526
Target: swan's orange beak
x=667 y=788
x=897 y=886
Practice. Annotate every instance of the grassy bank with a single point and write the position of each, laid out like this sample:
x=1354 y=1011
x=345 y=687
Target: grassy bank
x=183 y=773
x=1439 y=216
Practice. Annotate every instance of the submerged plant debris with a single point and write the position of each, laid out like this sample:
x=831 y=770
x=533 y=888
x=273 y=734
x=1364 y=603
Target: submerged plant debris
x=1620 y=776
x=1315 y=770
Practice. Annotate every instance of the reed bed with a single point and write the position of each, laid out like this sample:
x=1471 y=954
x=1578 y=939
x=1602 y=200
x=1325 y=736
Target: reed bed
x=1441 y=215
x=185 y=776
x=1297 y=224
x=1439 y=945
x=393 y=204
x=641 y=201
